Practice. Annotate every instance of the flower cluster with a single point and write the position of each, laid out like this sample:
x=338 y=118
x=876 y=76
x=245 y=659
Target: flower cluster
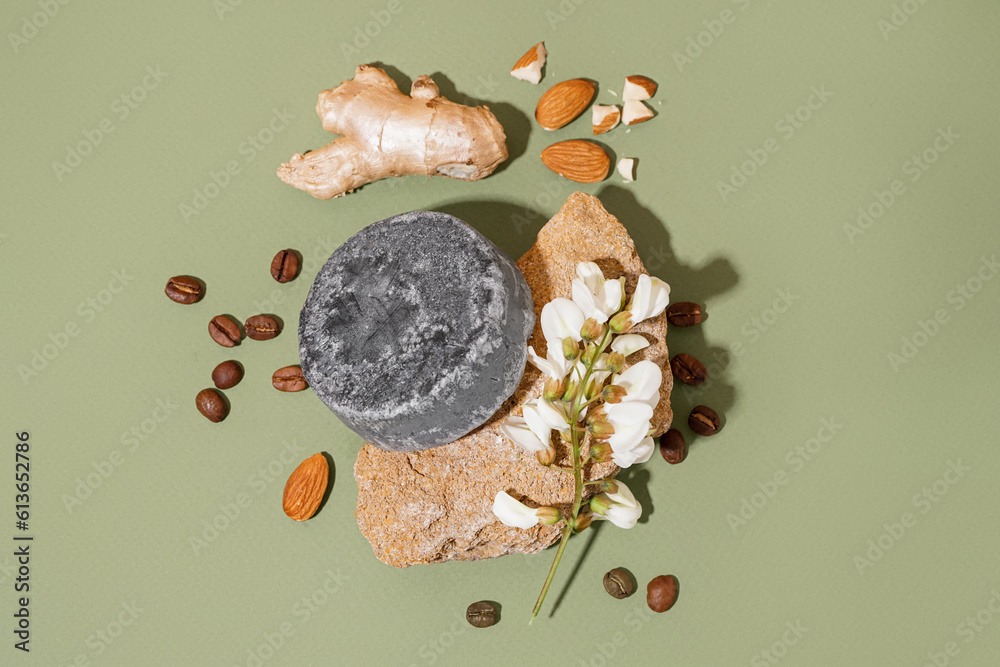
x=591 y=397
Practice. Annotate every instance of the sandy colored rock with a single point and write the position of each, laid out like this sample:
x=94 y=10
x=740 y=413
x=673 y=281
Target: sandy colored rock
x=435 y=505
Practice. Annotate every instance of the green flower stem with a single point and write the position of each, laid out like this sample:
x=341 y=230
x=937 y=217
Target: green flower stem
x=578 y=405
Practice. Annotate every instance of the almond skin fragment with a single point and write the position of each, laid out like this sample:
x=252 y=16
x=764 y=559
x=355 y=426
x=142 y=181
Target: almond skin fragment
x=604 y=118
x=577 y=160
x=305 y=488
x=638 y=88
x=563 y=102
x=529 y=66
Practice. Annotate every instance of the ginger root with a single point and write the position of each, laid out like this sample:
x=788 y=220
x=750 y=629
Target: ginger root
x=386 y=133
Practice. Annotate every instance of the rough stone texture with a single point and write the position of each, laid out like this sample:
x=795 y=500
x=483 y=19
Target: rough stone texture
x=414 y=331
x=435 y=506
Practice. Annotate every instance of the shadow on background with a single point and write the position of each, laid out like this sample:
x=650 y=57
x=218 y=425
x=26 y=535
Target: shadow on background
x=511 y=227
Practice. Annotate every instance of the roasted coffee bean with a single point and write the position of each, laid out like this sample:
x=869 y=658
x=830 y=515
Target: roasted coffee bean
x=661 y=593
x=688 y=370
x=684 y=314
x=285 y=266
x=227 y=374
x=289 y=378
x=184 y=289
x=481 y=614
x=618 y=583
x=224 y=331
x=672 y=446
x=212 y=404
x=704 y=420
x=261 y=327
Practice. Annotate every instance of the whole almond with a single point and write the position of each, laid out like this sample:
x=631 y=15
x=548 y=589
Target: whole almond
x=577 y=160
x=563 y=102
x=305 y=488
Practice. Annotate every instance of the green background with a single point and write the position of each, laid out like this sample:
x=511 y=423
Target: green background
x=856 y=298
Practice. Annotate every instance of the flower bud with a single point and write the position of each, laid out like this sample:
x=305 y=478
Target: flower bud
x=571 y=350
x=548 y=516
x=616 y=362
x=600 y=503
x=613 y=394
x=621 y=322
x=553 y=390
x=572 y=389
x=592 y=330
x=583 y=520
x=593 y=389
x=601 y=452
x=597 y=414
x=546 y=456
x=609 y=486
x=601 y=429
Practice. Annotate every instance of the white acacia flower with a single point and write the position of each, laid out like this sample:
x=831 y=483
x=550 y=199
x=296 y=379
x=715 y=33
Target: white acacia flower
x=651 y=296
x=626 y=344
x=631 y=423
x=517 y=431
x=641 y=382
x=550 y=415
x=513 y=513
x=535 y=421
x=561 y=318
x=555 y=364
x=620 y=508
x=597 y=298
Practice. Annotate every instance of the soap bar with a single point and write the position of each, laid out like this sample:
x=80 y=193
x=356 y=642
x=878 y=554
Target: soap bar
x=414 y=331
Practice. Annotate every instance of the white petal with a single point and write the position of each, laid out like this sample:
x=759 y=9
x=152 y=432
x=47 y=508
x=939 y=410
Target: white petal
x=610 y=297
x=591 y=275
x=584 y=298
x=560 y=364
x=561 y=318
x=552 y=417
x=628 y=413
x=641 y=382
x=623 y=496
x=640 y=298
x=628 y=436
x=542 y=364
x=623 y=517
x=517 y=431
x=644 y=450
x=513 y=513
x=660 y=297
x=627 y=344
x=535 y=422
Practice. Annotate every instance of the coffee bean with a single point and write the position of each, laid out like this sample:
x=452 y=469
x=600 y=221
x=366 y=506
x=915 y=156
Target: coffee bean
x=618 y=583
x=261 y=327
x=481 y=614
x=285 y=266
x=684 y=314
x=224 y=331
x=688 y=370
x=672 y=446
x=212 y=404
x=184 y=289
x=661 y=593
x=289 y=378
x=704 y=420
x=227 y=374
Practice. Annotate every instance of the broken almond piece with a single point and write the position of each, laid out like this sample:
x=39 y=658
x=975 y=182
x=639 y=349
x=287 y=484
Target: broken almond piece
x=626 y=167
x=577 y=160
x=634 y=111
x=605 y=118
x=638 y=88
x=529 y=67
x=563 y=102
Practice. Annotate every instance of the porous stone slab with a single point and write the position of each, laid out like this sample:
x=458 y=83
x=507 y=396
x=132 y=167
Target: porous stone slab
x=414 y=331
x=435 y=505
